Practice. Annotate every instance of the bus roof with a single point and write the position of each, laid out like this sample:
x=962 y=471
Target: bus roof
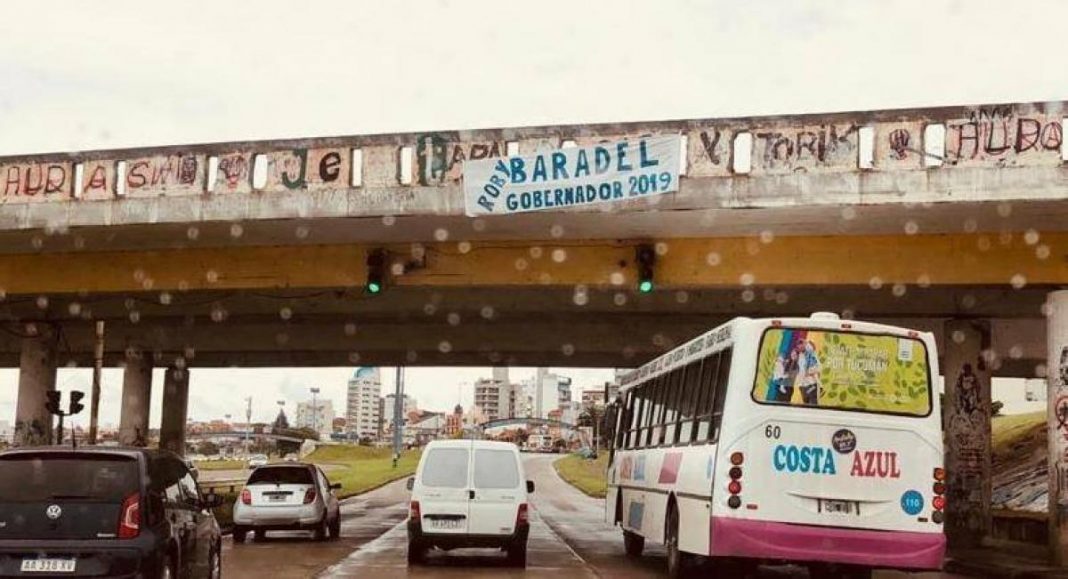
x=722 y=336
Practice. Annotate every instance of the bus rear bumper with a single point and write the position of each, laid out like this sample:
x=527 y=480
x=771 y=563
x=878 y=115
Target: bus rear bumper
x=769 y=540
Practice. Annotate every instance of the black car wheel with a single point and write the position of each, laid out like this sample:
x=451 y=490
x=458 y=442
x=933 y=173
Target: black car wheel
x=215 y=563
x=260 y=535
x=335 y=527
x=239 y=535
x=321 y=529
x=166 y=569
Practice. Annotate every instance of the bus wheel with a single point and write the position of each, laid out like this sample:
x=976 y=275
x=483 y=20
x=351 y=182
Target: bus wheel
x=633 y=543
x=677 y=561
x=825 y=570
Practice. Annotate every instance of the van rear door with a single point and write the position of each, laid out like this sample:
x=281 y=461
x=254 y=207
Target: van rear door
x=444 y=492
x=499 y=488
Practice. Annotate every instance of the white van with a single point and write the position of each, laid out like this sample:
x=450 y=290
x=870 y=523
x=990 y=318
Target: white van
x=469 y=493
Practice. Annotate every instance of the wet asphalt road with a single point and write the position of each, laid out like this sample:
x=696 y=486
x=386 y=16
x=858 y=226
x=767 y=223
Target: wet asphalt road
x=568 y=539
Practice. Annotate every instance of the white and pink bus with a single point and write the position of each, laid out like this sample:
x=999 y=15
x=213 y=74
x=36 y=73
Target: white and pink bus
x=806 y=440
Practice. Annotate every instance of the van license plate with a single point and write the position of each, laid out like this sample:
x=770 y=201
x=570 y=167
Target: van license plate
x=839 y=507
x=445 y=523
x=48 y=565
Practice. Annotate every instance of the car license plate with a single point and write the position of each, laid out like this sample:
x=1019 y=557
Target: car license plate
x=839 y=507
x=445 y=523
x=276 y=498
x=48 y=565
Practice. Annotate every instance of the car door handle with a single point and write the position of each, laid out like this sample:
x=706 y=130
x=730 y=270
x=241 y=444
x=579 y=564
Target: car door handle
x=471 y=495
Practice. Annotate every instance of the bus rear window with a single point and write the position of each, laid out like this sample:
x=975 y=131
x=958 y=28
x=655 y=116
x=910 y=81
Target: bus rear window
x=843 y=371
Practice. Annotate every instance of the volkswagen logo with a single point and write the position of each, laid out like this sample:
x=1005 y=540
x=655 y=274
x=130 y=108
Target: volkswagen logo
x=53 y=512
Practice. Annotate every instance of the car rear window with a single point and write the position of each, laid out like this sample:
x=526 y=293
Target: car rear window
x=54 y=476
x=446 y=467
x=496 y=469
x=279 y=475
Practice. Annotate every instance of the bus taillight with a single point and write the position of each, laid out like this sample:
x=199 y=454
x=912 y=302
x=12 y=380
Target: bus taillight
x=735 y=487
x=737 y=458
x=939 y=488
x=735 y=472
x=939 y=503
x=939 y=474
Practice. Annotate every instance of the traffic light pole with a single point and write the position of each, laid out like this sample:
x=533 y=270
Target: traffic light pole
x=98 y=366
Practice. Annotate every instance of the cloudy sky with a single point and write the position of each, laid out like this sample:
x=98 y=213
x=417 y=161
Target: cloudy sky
x=80 y=75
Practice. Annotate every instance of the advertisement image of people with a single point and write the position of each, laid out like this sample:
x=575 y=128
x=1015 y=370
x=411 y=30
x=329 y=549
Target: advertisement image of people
x=843 y=370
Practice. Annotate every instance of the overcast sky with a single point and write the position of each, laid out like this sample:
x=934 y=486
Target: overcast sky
x=83 y=75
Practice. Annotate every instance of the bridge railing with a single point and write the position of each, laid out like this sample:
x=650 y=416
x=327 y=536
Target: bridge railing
x=411 y=165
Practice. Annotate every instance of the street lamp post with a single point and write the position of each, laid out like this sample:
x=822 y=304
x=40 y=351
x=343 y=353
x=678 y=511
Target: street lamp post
x=248 y=421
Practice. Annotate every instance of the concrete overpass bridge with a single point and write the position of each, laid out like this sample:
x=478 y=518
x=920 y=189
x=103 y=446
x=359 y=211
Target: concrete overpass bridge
x=951 y=220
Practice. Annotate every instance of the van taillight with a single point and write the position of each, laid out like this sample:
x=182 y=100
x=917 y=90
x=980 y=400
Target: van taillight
x=246 y=497
x=309 y=496
x=522 y=518
x=413 y=511
x=130 y=517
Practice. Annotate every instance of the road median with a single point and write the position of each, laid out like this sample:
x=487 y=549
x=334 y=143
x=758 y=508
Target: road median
x=586 y=475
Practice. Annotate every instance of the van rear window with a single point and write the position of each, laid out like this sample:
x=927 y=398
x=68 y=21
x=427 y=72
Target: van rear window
x=281 y=475
x=446 y=468
x=877 y=373
x=54 y=476
x=496 y=469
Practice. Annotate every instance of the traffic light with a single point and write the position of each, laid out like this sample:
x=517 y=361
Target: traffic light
x=52 y=404
x=376 y=271
x=645 y=256
x=76 y=405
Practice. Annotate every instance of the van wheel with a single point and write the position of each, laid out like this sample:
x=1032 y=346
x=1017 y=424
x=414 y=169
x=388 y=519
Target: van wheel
x=416 y=552
x=517 y=554
x=677 y=561
x=827 y=570
x=239 y=535
x=633 y=543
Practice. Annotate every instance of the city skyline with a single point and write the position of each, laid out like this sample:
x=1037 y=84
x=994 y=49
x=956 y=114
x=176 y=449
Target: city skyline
x=215 y=392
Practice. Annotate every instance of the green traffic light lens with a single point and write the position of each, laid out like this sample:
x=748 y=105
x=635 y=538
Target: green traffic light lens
x=374 y=288
x=645 y=286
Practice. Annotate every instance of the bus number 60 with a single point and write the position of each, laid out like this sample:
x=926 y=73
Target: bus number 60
x=773 y=431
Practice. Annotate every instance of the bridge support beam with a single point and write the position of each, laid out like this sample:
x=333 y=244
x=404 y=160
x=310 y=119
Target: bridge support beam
x=1057 y=380
x=37 y=377
x=175 y=410
x=136 y=398
x=967 y=424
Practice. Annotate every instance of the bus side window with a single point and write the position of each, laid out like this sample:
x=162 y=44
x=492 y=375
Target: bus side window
x=635 y=406
x=656 y=417
x=722 y=379
x=652 y=410
x=688 y=401
x=708 y=394
x=671 y=407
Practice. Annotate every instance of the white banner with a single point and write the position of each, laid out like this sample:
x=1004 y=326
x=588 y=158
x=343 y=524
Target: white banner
x=575 y=177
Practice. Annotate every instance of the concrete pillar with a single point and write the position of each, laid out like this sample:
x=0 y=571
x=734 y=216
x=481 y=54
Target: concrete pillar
x=967 y=425
x=37 y=377
x=175 y=410
x=1057 y=417
x=136 y=396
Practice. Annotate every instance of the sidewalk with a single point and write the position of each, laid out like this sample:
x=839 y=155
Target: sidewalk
x=1018 y=561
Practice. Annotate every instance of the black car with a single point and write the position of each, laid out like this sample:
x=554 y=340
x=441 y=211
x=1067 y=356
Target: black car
x=104 y=512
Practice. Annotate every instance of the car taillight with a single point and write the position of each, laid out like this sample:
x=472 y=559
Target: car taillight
x=413 y=511
x=309 y=496
x=246 y=497
x=130 y=517
x=522 y=517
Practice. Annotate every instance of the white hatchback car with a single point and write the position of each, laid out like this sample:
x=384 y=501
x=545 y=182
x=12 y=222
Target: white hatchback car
x=469 y=493
x=287 y=497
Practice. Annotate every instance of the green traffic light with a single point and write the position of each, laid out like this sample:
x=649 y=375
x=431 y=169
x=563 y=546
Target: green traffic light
x=645 y=286
x=373 y=287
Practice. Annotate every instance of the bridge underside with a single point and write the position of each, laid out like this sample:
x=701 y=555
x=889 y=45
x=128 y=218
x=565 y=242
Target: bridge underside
x=529 y=326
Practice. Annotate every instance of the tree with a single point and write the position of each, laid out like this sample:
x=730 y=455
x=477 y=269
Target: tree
x=208 y=448
x=281 y=422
